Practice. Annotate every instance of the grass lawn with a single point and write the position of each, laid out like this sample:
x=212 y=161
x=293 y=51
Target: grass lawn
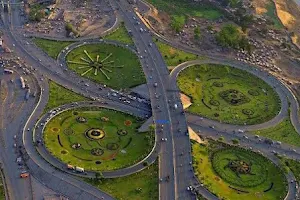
x=228 y=94
x=284 y=132
x=242 y=168
x=172 y=56
x=116 y=67
x=108 y=139
x=180 y=10
x=121 y=35
x=59 y=95
x=2 y=192
x=271 y=13
x=51 y=47
x=127 y=188
x=292 y=165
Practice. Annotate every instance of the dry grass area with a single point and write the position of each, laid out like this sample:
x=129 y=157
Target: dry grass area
x=289 y=14
x=287 y=19
x=186 y=101
x=260 y=6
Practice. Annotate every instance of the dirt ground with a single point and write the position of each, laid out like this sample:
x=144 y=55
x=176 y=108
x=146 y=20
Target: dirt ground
x=89 y=19
x=186 y=101
x=194 y=136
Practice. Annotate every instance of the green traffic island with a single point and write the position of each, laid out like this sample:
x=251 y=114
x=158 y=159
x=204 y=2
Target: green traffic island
x=51 y=47
x=235 y=173
x=141 y=185
x=228 y=95
x=110 y=65
x=97 y=139
x=290 y=165
x=121 y=34
x=58 y=95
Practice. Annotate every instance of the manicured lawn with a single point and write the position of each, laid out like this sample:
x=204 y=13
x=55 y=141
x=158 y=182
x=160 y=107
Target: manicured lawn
x=292 y=165
x=59 y=95
x=180 y=10
x=172 y=56
x=283 y=132
x=127 y=188
x=237 y=173
x=228 y=94
x=115 y=67
x=108 y=139
x=51 y=47
x=121 y=35
x=271 y=13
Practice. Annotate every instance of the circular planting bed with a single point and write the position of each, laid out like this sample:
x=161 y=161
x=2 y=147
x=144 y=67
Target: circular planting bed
x=234 y=173
x=107 y=64
x=228 y=94
x=103 y=142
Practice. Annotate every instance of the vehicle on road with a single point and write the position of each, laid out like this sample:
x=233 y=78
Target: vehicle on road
x=24 y=174
x=79 y=169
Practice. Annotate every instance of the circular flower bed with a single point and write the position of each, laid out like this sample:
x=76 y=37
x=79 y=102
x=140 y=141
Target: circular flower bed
x=81 y=119
x=240 y=167
x=214 y=102
x=218 y=84
x=68 y=131
x=247 y=112
x=122 y=132
x=127 y=123
x=112 y=146
x=234 y=97
x=95 y=134
x=253 y=92
x=97 y=152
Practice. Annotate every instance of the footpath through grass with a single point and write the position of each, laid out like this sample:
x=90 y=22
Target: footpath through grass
x=51 y=47
x=284 y=132
x=140 y=186
x=121 y=35
x=173 y=56
x=228 y=173
x=59 y=95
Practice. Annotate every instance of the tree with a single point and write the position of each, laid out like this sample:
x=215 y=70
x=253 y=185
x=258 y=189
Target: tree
x=235 y=141
x=197 y=33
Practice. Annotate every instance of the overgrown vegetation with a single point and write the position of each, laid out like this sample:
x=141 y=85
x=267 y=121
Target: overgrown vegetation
x=180 y=10
x=36 y=12
x=71 y=30
x=231 y=36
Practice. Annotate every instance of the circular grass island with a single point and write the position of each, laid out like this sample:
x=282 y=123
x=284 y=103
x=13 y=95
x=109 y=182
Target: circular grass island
x=104 y=142
x=228 y=95
x=107 y=64
x=235 y=173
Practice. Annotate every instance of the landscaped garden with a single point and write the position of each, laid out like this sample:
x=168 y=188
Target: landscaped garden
x=235 y=173
x=173 y=56
x=292 y=165
x=284 y=132
x=107 y=64
x=121 y=35
x=97 y=139
x=59 y=95
x=142 y=185
x=180 y=10
x=51 y=47
x=228 y=95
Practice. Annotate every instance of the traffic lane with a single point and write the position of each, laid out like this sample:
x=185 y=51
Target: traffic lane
x=249 y=143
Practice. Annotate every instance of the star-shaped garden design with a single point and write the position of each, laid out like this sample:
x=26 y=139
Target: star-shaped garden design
x=95 y=64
